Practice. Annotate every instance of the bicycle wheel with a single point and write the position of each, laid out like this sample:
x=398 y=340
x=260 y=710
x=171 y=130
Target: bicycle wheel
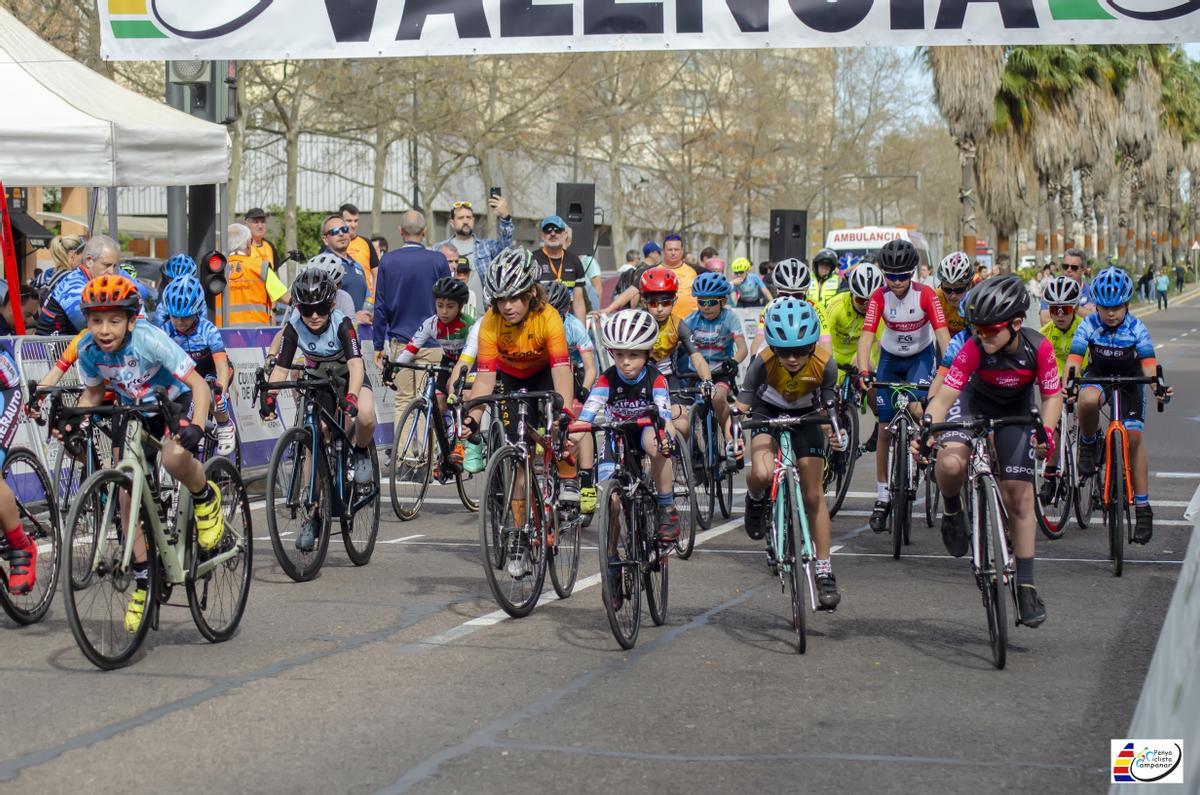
x=217 y=595
x=700 y=451
x=655 y=571
x=564 y=552
x=788 y=511
x=933 y=495
x=842 y=462
x=292 y=502
x=1053 y=516
x=37 y=508
x=1087 y=494
x=990 y=537
x=362 y=527
x=99 y=587
x=900 y=516
x=514 y=556
x=725 y=469
x=618 y=546
x=1116 y=512
x=412 y=460
x=686 y=497
x=469 y=501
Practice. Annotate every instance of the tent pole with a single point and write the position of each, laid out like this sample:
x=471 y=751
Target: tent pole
x=223 y=241
x=112 y=213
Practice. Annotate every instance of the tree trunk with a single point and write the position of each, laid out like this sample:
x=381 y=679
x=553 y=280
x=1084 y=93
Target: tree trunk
x=1066 y=199
x=382 y=145
x=1039 y=235
x=1103 y=233
x=616 y=136
x=1125 y=230
x=1087 y=200
x=487 y=174
x=292 y=145
x=237 y=133
x=966 y=194
x=1052 y=218
x=1173 y=220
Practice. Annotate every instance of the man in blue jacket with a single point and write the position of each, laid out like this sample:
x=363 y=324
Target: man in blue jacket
x=404 y=299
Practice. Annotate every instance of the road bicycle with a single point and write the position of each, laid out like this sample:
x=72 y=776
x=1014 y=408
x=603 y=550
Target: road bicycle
x=38 y=511
x=1114 y=471
x=992 y=561
x=310 y=480
x=415 y=462
x=523 y=528
x=632 y=559
x=1067 y=490
x=839 y=464
x=905 y=474
x=703 y=470
x=792 y=552
x=104 y=523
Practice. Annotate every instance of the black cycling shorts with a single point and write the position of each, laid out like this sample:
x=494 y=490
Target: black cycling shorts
x=1014 y=444
x=508 y=384
x=808 y=441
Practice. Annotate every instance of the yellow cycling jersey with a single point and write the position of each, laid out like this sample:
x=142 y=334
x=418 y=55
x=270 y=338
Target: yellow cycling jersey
x=1061 y=340
x=845 y=327
x=954 y=321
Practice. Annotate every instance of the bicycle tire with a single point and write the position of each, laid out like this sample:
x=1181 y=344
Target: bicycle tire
x=899 y=514
x=933 y=496
x=286 y=497
x=516 y=583
x=40 y=520
x=106 y=646
x=620 y=589
x=564 y=552
x=361 y=528
x=413 y=446
x=700 y=455
x=725 y=482
x=464 y=492
x=1116 y=512
x=221 y=593
x=1053 y=519
x=991 y=579
x=655 y=571
x=787 y=512
x=1087 y=494
x=685 y=498
x=848 y=420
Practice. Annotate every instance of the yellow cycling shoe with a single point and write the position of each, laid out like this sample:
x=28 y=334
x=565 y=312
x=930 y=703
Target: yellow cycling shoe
x=587 y=499
x=209 y=525
x=135 y=610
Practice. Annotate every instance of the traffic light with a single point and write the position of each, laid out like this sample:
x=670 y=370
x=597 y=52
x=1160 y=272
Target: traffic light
x=213 y=274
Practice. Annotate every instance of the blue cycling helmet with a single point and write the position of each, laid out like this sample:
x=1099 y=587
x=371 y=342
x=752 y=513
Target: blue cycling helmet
x=1112 y=287
x=710 y=285
x=183 y=297
x=791 y=323
x=179 y=265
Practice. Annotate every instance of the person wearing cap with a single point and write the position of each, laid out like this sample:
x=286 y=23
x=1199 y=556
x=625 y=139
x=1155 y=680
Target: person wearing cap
x=479 y=252
x=557 y=264
x=260 y=247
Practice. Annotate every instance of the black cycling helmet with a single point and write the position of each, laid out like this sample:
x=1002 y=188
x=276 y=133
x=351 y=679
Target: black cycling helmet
x=997 y=300
x=452 y=289
x=559 y=296
x=314 y=286
x=827 y=256
x=898 y=256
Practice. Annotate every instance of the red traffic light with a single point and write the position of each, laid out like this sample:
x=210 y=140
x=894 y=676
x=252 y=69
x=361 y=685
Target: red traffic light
x=214 y=273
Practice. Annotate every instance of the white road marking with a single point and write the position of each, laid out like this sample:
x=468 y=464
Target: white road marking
x=399 y=540
x=1177 y=475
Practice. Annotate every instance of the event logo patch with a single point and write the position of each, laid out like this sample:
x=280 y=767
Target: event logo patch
x=154 y=19
x=1147 y=761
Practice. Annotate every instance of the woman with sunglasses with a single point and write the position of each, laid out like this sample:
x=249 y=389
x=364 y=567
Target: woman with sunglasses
x=954 y=275
x=793 y=376
x=994 y=375
x=913 y=322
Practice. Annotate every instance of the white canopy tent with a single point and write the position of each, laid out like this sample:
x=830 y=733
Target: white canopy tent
x=68 y=125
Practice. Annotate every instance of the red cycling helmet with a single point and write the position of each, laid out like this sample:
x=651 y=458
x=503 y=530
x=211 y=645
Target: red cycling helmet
x=659 y=280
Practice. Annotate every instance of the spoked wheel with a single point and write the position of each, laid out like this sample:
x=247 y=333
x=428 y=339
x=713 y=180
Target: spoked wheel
x=217 y=593
x=361 y=528
x=1053 y=515
x=412 y=460
x=900 y=517
x=1087 y=495
x=470 y=501
x=99 y=586
x=725 y=472
x=654 y=575
x=991 y=580
x=37 y=508
x=618 y=545
x=788 y=511
x=702 y=457
x=687 y=501
x=514 y=555
x=1116 y=511
x=564 y=552
x=840 y=463
x=293 y=502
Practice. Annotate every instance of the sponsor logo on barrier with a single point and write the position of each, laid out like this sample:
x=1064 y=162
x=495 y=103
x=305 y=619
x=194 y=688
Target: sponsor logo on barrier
x=1147 y=761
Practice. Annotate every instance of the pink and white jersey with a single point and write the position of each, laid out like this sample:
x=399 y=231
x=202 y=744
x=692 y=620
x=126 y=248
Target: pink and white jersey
x=1007 y=377
x=908 y=322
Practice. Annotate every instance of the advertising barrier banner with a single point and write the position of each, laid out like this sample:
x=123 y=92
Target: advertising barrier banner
x=271 y=29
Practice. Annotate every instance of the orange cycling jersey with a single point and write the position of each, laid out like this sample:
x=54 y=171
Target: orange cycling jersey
x=954 y=321
x=524 y=349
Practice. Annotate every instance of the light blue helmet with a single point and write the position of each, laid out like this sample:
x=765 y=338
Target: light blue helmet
x=710 y=285
x=183 y=297
x=1112 y=287
x=791 y=323
x=179 y=265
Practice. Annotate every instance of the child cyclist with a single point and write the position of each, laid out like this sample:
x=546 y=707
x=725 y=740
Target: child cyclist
x=954 y=273
x=717 y=335
x=749 y=289
x=994 y=375
x=793 y=376
x=633 y=388
x=848 y=310
x=1062 y=295
x=131 y=358
x=658 y=288
x=583 y=370
x=1117 y=344
x=792 y=277
x=183 y=304
x=329 y=344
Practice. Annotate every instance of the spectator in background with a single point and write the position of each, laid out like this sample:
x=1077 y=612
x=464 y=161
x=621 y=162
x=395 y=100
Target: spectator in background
x=7 y=328
x=765 y=269
x=66 y=251
x=252 y=287
x=61 y=313
x=631 y=260
x=1180 y=274
x=651 y=256
x=707 y=253
x=1162 y=286
x=359 y=248
x=1145 y=283
x=380 y=244
x=462 y=272
x=30 y=304
x=556 y=264
x=336 y=237
x=925 y=275
x=591 y=275
x=478 y=251
x=260 y=247
x=451 y=255
x=404 y=300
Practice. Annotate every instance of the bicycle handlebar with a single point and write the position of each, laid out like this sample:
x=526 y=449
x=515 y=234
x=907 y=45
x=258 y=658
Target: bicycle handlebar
x=978 y=425
x=1114 y=381
x=545 y=394
x=786 y=421
x=645 y=421
x=388 y=371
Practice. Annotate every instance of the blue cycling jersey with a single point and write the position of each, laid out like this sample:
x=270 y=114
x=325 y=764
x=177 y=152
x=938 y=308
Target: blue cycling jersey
x=147 y=359
x=750 y=290
x=713 y=339
x=61 y=312
x=1113 y=351
x=578 y=339
x=200 y=343
x=956 y=343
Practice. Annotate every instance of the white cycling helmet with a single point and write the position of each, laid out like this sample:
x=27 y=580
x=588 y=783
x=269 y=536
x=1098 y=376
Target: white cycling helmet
x=512 y=272
x=955 y=268
x=1062 y=290
x=631 y=330
x=865 y=279
x=331 y=264
x=791 y=276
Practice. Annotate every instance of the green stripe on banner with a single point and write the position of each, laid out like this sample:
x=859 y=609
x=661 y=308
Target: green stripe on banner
x=136 y=29
x=1078 y=9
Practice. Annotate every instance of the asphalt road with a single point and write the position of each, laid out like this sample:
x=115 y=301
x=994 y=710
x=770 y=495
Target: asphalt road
x=401 y=676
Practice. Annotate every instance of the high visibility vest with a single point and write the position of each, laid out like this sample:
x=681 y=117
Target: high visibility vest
x=360 y=251
x=249 y=304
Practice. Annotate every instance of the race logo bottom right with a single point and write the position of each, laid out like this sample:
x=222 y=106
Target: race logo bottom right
x=1147 y=761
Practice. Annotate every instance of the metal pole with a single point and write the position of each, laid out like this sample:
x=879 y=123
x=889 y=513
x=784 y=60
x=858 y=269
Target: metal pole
x=223 y=243
x=112 y=213
x=177 y=97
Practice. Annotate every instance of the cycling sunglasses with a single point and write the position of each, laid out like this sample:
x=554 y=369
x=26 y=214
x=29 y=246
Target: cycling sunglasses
x=795 y=353
x=991 y=329
x=1062 y=309
x=658 y=300
x=709 y=302
x=898 y=277
x=956 y=290
x=313 y=310
x=337 y=230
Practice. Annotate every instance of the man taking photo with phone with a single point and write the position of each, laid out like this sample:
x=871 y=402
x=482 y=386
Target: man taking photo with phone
x=479 y=252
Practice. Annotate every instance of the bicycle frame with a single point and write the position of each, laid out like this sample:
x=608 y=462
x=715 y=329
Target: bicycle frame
x=785 y=463
x=428 y=396
x=1116 y=430
x=982 y=469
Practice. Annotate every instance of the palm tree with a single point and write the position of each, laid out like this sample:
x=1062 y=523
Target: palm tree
x=1000 y=171
x=965 y=79
x=1137 y=133
x=1093 y=111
